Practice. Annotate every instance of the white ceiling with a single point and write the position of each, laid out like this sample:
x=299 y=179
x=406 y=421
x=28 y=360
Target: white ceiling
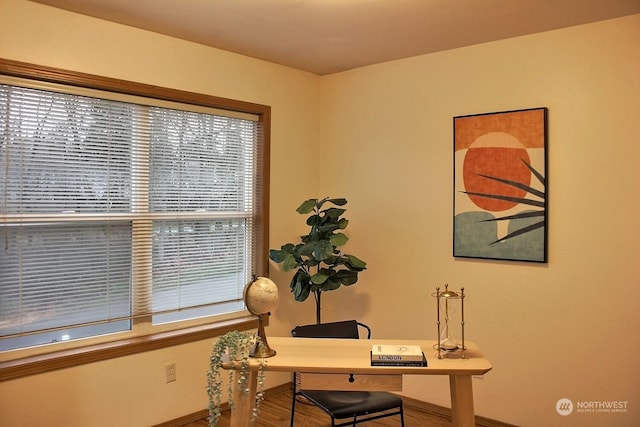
x=329 y=36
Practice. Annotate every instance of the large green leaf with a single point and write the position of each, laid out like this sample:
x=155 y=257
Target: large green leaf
x=279 y=255
x=319 y=278
x=289 y=263
x=338 y=239
x=307 y=249
x=330 y=285
x=276 y=256
x=307 y=206
x=346 y=277
x=332 y=261
x=355 y=263
x=338 y=202
x=322 y=249
x=334 y=213
x=300 y=286
x=311 y=262
x=325 y=232
x=296 y=289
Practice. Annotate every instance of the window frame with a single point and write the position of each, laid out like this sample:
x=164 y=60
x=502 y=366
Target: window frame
x=57 y=357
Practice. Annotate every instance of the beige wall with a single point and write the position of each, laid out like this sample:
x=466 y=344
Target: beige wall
x=547 y=328
x=130 y=391
x=562 y=329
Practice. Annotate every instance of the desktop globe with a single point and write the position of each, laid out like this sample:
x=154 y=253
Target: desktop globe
x=261 y=297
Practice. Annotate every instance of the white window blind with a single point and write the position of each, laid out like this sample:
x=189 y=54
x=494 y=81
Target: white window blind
x=114 y=211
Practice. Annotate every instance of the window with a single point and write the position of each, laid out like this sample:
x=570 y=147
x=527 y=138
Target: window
x=122 y=207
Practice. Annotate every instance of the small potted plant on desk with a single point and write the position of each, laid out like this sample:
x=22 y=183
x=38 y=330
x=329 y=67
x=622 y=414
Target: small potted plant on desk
x=233 y=347
x=321 y=265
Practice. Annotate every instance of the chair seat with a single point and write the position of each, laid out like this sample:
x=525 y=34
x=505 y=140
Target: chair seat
x=358 y=406
x=345 y=404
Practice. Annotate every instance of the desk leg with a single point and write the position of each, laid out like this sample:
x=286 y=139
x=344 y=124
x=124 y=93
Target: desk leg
x=462 y=400
x=241 y=414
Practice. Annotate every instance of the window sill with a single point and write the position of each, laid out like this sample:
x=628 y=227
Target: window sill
x=42 y=363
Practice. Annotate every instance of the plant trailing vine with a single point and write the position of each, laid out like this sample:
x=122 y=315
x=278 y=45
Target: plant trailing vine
x=320 y=263
x=233 y=347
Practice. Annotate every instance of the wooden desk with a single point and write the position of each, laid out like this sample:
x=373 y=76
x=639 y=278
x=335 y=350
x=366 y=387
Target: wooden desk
x=328 y=364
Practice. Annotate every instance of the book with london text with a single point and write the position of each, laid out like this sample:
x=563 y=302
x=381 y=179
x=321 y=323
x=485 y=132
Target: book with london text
x=396 y=353
x=421 y=363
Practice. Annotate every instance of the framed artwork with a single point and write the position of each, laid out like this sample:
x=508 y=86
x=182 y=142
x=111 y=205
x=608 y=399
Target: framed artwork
x=500 y=185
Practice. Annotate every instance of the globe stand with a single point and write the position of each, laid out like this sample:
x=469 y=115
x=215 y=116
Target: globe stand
x=260 y=297
x=262 y=349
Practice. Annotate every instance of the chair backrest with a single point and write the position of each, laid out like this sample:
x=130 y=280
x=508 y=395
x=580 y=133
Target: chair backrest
x=342 y=329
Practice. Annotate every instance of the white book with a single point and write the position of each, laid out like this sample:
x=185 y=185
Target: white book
x=396 y=353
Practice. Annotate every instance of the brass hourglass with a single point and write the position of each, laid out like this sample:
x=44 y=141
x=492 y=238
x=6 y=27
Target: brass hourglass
x=447 y=306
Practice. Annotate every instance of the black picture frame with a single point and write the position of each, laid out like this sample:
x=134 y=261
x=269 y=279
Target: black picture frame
x=500 y=185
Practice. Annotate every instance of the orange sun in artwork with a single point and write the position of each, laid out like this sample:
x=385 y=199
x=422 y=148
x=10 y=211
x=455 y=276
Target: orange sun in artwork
x=497 y=155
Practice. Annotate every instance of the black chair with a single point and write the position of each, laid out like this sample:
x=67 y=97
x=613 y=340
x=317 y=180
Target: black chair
x=358 y=406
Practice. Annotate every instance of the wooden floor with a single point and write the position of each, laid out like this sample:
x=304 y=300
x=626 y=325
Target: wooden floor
x=276 y=409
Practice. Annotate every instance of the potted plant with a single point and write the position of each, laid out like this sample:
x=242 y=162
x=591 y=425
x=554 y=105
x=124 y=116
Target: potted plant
x=233 y=347
x=321 y=265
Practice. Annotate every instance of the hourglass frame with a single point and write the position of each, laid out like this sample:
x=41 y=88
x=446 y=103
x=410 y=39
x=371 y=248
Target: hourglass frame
x=449 y=297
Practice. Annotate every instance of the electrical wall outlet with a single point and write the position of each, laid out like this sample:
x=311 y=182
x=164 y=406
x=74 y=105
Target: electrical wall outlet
x=170 y=372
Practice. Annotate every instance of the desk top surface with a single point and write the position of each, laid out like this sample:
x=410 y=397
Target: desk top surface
x=326 y=355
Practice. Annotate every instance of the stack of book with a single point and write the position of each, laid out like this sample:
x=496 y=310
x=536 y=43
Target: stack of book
x=397 y=355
